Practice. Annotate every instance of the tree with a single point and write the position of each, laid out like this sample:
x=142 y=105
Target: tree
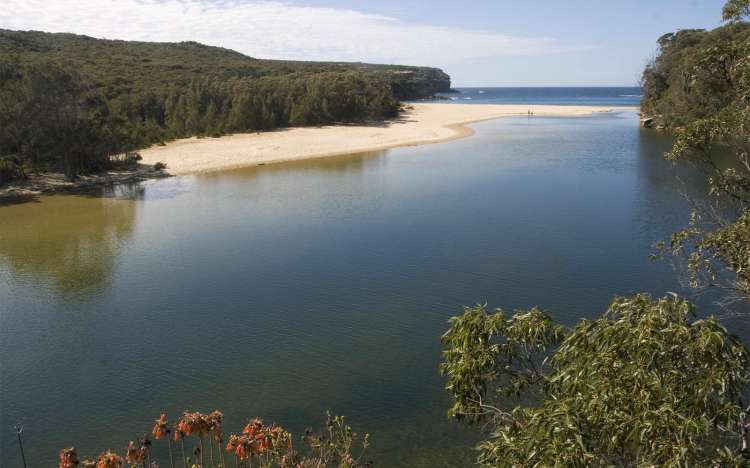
x=51 y=118
x=68 y=103
x=699 y=87
x=645 y=384
x=736 y=10
x=716 y=242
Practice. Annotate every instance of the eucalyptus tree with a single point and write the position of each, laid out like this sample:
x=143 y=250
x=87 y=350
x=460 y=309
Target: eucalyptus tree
x=698 y=87
x=645 y=384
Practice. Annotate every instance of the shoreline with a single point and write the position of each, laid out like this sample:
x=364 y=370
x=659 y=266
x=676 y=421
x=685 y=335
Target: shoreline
x=420 y=124
x=50 y=183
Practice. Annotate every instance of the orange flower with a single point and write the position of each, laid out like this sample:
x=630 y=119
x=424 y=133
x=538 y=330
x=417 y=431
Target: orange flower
x=193 y=423
x=135 y=454
x=253 y=427
x=160 y=427
x=245 y=447
x=88 y=463
x=109 y=460
x=68 y=458
x=232 y=443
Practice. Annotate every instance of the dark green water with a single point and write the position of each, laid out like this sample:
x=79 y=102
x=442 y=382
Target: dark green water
x=286 y=290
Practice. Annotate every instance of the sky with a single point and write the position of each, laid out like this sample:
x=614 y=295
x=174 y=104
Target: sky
x=478 y=42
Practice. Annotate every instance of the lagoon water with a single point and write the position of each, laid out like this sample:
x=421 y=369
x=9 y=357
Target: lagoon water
x=286 y=290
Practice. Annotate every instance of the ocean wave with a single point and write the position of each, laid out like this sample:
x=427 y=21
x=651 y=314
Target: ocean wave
x=630 y=95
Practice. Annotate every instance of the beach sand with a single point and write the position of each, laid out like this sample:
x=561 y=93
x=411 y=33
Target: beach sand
x=423 y=123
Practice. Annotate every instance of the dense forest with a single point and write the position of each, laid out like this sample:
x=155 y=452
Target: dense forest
x=69 y=102
x=696 y=74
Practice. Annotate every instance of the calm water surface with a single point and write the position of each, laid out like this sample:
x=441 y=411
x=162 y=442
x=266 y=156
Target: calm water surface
x=286 y=290
x=580 y=96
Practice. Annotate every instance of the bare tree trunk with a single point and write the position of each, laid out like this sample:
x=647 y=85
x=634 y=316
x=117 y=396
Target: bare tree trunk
x=19 y=430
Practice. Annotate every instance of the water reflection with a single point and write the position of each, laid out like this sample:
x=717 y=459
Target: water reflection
x=72 y=242
x=349 y=164
x=289 y=289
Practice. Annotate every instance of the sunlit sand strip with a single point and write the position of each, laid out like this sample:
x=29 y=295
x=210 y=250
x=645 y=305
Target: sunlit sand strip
x=423 y=123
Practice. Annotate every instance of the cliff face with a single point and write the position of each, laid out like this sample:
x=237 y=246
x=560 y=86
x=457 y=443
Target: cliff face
x=418 y=82
x=408 y=83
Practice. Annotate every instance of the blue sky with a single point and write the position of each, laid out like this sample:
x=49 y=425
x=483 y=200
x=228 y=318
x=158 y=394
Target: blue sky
x=480 y=42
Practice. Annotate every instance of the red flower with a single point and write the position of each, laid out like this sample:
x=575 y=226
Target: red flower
x=253 y=427
x=232 y=443
x=68 y=458
x=194 y=423
x=246 y=447
x=160 y=427
x=109 y=460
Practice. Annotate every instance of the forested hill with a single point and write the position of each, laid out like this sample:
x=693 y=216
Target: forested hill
x=121 y=66
x=697 y=74
x=68 y=102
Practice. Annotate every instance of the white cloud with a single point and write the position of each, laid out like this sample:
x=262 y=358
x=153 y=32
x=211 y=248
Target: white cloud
x=272 y=29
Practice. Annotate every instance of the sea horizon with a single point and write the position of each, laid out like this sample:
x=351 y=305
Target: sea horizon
x=617 y=96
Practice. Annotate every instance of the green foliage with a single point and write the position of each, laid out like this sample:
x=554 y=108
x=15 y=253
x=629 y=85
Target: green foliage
x=70 y=102
x=11 y=168
x=488 y=355
x=696 y=74
x=335 y=447
x=736 y=10
x=133 y=67
x=49 y=117
x=646 y=384
x=699 y=86
x=713 y=251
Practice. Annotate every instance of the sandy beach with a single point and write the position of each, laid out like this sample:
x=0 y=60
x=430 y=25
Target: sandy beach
x=423 y=123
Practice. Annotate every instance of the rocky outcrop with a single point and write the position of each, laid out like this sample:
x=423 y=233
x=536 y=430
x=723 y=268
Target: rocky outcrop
x=412 y=83
x=650 y=121
x=647 y=121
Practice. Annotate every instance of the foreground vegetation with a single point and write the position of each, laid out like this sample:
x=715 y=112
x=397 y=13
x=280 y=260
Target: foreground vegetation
x=258 y=445
x=69 y=103
x=647 y=383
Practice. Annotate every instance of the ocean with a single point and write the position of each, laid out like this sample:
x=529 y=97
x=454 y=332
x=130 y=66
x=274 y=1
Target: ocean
x=591 y=96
